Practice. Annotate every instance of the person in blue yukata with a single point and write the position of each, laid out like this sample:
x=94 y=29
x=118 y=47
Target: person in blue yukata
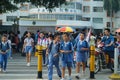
x=108 y=41
x=66 y=49
x=4 y=48
x=81 y=47
x=53 y=51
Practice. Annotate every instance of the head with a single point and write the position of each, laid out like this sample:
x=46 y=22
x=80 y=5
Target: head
x=65 y=37
x=28 y=34
x=98 y=39
x=41 y=35
x=107 y=32
x=56 y=37
x=50 y=37
x=82 y=36
x=4 y=38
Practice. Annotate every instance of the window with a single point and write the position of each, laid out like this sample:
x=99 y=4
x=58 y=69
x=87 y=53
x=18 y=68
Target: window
x=109 y=14
x=108 y=24
x=24 y=7
x=97 y=9
x=86 y=8
x=78 y=6
x=86 y=19
x=97 y=20
x=78 y=17
x=11 y=18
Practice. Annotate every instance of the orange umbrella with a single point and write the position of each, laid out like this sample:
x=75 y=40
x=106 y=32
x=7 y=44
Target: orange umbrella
x=65 y=29
x=118 y=30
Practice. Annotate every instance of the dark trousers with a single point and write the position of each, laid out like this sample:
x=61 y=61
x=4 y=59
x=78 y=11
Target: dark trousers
x=44 y=56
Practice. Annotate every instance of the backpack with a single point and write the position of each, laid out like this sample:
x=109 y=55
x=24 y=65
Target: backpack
x=50 y=47
x=2 y=45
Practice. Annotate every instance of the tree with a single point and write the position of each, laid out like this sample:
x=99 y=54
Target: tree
x=11 y=5
x=111 y=6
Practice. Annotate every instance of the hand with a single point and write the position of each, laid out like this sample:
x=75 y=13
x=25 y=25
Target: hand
x=47 y=54
x=55 y=55
x=106 y=45
x=62 y=51
x=3 y=52
x=82 y=49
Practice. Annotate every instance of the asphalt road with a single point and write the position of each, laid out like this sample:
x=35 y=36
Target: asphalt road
x=17 y=70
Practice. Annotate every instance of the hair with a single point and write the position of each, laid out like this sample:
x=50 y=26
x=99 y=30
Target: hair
x=56 y=34
x=4 y=35
x=42 y=33
x=66 y=34
x=99 y=38
x=50 y=35
x=82 y=33
x=107 y=29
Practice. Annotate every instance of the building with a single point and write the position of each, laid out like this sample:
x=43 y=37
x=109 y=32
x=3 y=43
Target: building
x=76 y=14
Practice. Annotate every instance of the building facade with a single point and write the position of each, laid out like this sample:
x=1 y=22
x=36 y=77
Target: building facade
x=76 y=14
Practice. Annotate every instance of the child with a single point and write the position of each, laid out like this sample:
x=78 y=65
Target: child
x=42 y=40
x=4 y=48
x=66 y=49
x=53 y=51
x=10 y=50
x=28 y=46
x=81 y=50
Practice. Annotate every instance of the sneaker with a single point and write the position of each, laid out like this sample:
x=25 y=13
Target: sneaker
x=1 y=70
x=28 y=64
x=4 y=71
x=83 y=73
x=77 y=77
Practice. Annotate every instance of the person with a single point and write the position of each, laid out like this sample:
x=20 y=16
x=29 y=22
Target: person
x=118 y=45
x=50 y=40
x=28 y=47
x=81 y=50
x=53 y=50
x=108 y=41
x=66 y=49
x=4 y=48
x=10 y=50
x=44 y=42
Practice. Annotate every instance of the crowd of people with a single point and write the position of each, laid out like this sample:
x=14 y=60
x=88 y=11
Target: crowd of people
x=69 y=49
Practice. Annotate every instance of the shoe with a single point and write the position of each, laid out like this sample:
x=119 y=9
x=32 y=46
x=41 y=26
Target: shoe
x=28 y=64
x=77 y=77
x=1 y=70
x=83 y=73
x=4 y=71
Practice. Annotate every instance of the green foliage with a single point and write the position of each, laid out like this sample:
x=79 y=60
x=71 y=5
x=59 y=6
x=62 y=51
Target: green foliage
x=6 y=5
x=113 y=5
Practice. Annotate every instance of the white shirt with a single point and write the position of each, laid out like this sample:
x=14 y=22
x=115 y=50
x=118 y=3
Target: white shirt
x=9 y=42
x=28 y=41
x=43 y=42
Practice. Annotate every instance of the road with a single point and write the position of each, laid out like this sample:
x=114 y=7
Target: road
x=17 y=70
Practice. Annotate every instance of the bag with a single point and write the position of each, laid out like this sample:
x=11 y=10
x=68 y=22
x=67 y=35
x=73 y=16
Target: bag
x=1 y=45
x=50 y=47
